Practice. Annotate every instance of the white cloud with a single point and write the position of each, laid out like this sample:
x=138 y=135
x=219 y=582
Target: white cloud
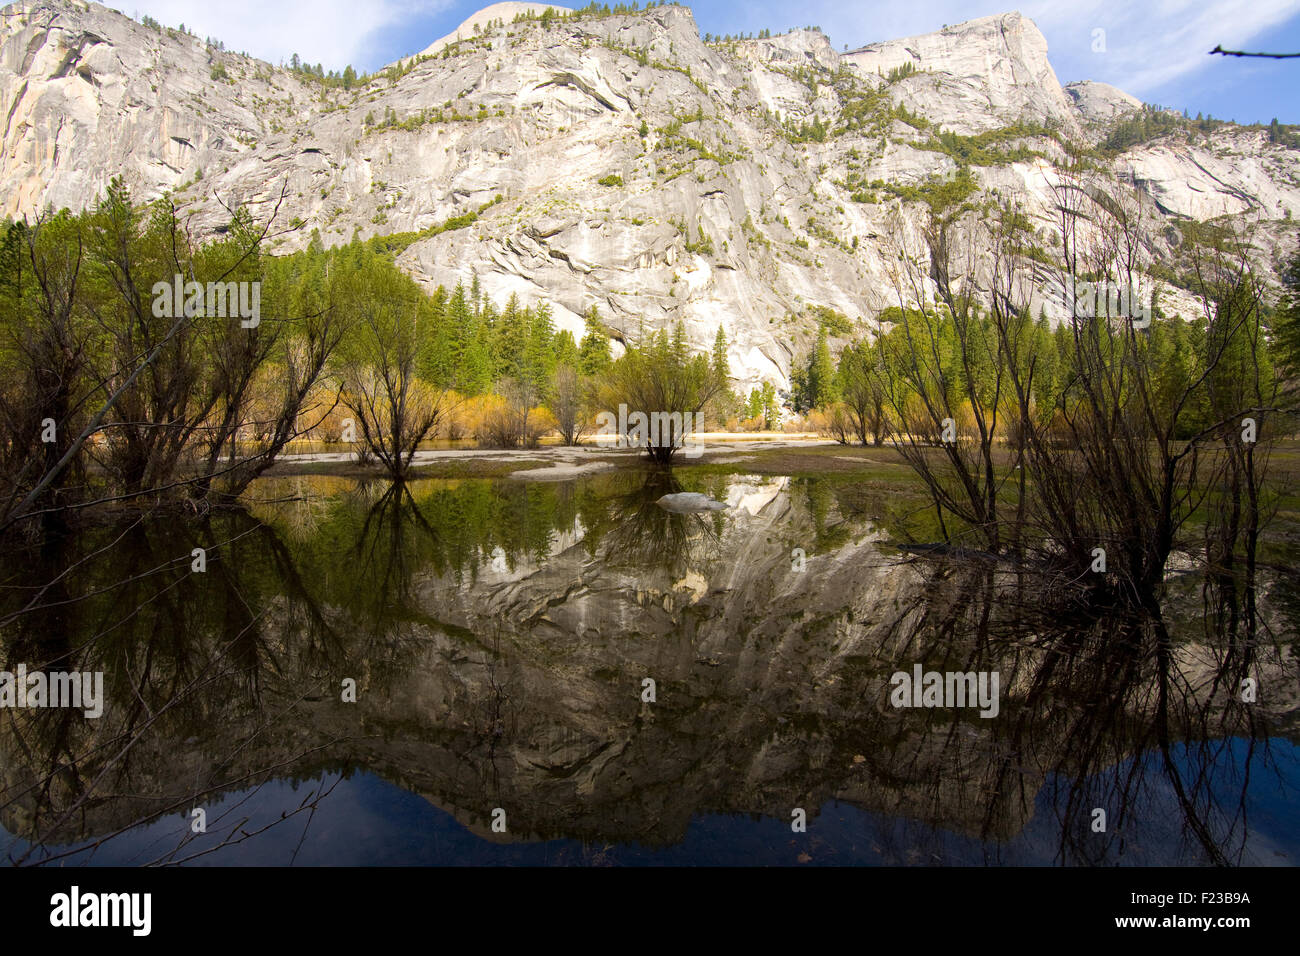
x=331 y=32
x=1149 y=46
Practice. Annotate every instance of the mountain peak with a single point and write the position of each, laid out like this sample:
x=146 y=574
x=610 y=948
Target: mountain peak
x=1101 y=102
x=995 y=69
x=498 y=11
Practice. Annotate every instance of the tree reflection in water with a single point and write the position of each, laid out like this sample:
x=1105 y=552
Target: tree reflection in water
x=498 y=633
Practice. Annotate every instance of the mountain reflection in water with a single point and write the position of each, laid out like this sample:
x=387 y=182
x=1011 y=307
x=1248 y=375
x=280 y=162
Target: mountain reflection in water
x=499 y=633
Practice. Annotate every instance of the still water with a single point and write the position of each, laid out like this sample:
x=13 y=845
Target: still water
x=496 y=672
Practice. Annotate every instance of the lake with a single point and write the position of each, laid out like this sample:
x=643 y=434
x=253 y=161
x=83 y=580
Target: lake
x=496 y=672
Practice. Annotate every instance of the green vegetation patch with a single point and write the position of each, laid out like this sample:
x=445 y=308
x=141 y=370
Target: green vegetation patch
x=394 y=244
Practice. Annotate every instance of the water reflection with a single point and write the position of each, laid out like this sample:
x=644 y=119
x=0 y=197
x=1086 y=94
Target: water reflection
x=499 y=634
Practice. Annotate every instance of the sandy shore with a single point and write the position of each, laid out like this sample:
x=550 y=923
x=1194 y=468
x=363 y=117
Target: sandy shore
x=567 y=462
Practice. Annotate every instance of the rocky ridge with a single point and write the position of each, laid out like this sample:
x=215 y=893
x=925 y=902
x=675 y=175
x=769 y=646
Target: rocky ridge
x=614 y=160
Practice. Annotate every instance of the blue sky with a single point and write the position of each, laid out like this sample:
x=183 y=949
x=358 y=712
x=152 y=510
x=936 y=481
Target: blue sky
x=1156 y=50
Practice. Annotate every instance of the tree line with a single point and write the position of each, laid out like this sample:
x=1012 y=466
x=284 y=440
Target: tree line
x=1091 y=451
x=851 y=390
x=107 y=398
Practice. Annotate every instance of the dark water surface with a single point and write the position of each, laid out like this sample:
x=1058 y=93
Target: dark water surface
x=500 y=635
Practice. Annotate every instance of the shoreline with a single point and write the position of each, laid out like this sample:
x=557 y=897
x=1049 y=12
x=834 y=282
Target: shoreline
x=546 y=462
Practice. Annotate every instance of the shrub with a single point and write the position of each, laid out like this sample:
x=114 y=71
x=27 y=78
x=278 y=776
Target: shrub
x=512 y=421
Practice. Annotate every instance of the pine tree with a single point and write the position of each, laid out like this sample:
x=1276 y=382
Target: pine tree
x=721 y=367
x=799 y=386
x=539 y=358
x=680 y=350
x=565 y=349
x=489 y=322
x=437 y=363
x=821 y=372
x=511 y=332
x=593 y=351
x=770 y=410
x=461 y=332
x=1286 y=325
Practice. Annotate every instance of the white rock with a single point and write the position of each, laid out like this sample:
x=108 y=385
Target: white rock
x=689 y=502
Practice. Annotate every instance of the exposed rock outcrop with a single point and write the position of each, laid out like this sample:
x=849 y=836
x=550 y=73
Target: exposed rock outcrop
x=639 y=169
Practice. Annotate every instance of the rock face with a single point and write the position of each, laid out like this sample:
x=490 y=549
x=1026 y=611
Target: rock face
x=689 y=502
x=638 y=169
x=1207 y=183
x=991 y=72
x=498 y=11
x=1101 y=102
x=89 y=94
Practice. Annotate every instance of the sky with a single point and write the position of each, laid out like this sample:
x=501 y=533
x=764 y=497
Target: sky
x=1156 y=50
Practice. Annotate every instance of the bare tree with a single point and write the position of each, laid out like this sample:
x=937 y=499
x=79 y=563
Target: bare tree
x=394 y=409
x=863 y=394
x=1134 y=468
x=569 y=405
